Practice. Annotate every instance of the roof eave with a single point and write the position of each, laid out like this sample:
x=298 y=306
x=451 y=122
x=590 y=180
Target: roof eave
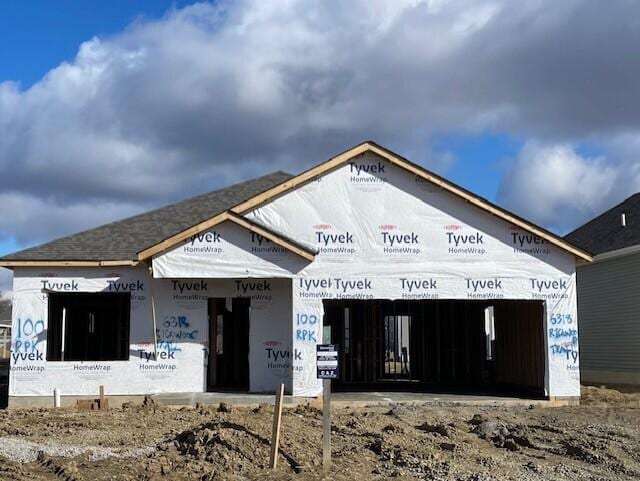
x=10 y=264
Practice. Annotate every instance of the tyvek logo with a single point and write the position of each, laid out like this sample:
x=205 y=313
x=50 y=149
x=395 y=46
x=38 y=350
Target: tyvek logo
x=484 y=288
x=315 y=288
x=262 y=245
x=333 y=242
x=186 y=291
x=460 y=243
x=136 y=288
x=335 y=287
x=280 y=358
x=119 y=286
x=529 y=244
x=419 y=288
x=397 y=242
x=204 y=243
x=549 y=288
x=251 y=286
x=259 y=291
x=186 y=286
x=367 y=172
x=280 y=354
x=463 y=240
x=59 y=286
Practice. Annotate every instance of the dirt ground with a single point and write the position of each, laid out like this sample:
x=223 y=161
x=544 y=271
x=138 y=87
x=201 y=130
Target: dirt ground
x=599 y=440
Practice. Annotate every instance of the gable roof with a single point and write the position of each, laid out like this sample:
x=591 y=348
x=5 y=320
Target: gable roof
x=605 y=233
x=118 y=243
x=141 y=237
x=468 y=196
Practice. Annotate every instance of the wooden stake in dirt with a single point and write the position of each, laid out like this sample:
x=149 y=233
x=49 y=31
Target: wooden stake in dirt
x=275 y=433
x=101 y=396
x=326 y=424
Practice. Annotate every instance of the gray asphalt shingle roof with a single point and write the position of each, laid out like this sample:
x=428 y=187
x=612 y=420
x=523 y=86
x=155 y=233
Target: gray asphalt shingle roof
x=605 y=233
x=123 y=239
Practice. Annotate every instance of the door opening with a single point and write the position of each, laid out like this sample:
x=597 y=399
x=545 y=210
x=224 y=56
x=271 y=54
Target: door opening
x=397 y=335
x=228 y=365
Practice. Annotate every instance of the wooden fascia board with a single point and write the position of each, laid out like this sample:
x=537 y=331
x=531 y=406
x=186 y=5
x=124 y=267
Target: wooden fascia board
x=276 y=239
x=175 y=239
x=418 y=171
x=12 y=264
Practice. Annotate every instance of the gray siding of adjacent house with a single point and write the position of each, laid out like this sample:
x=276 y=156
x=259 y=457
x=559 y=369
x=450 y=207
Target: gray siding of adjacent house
x=609 y=315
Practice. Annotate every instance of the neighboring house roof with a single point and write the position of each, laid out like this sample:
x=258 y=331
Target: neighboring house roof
x=118 y=243
x=143 y=236
x=605 y=233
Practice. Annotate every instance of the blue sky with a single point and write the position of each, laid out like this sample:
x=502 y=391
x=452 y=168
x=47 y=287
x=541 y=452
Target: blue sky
x=147 y=102
x=36 y=36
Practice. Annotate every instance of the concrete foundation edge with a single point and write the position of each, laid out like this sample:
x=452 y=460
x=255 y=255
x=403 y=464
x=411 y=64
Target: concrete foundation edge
x=240 y=400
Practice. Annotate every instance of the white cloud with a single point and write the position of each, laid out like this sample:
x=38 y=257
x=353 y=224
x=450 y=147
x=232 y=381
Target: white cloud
x=555 y=186
x=210 y=94
x=31 y=217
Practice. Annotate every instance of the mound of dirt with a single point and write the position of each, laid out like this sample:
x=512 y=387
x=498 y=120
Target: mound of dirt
x=591 y=396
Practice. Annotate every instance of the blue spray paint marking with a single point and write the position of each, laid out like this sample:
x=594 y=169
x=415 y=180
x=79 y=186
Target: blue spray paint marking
x=28 y=336
x=174 y=329
x=561 y=319
x=306 y=334
x=565 y=338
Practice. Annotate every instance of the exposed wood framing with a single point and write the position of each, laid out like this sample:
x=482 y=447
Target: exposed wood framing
x=11 y=264
x=172 y=241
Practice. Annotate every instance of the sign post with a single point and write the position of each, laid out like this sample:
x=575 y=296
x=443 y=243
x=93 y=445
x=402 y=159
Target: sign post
x=327 y=369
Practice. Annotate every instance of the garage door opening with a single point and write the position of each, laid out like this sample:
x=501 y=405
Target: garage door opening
x=492 y=346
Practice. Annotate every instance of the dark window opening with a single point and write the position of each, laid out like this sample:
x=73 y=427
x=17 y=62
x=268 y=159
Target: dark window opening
x=88 y=327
